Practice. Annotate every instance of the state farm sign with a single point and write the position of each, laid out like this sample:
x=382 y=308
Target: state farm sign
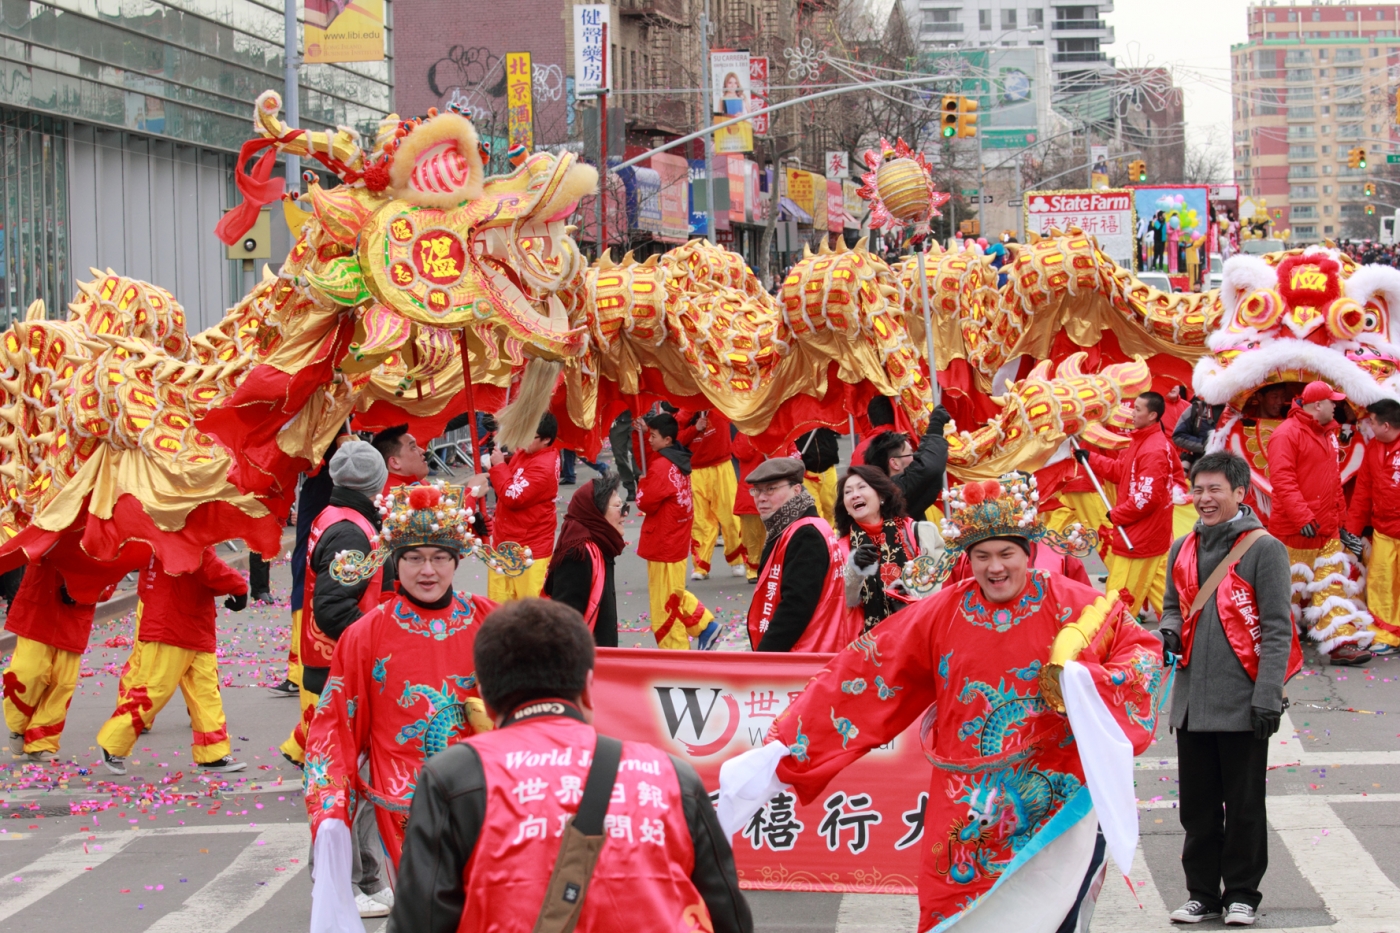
x=1108 y=215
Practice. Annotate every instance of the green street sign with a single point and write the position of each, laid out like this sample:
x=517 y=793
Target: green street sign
x=969 y=192
x=1392 y=159
x=1008 y=139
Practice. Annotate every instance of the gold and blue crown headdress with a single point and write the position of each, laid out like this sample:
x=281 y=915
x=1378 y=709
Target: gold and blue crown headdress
x=994 y=508
x=412 y=516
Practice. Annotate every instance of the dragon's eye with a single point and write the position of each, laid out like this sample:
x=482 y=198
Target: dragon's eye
x=1372 y=320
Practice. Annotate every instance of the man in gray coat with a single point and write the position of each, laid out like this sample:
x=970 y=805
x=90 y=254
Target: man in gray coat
x=1226 y=702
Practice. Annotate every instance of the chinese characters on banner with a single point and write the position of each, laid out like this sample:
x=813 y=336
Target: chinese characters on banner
x=589 y=20
x=854 y=203
x=520 y=100
x=863 y=833
x=800 y=188
x=835 y=206
x=1108 y=215
x=838 y=165
x=729 y=73
x=674 y=172
x=336 y=32
x=758 y=93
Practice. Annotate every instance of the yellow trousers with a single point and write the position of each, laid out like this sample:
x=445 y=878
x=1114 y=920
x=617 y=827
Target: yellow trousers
x=39 y=685
x=712 y=488
x=754 y=534
x=675 y=612
x=295 y=746
x=156 y=672
x=502 y=589
x=1059 y=519
x=293 y=655
x=1145 y=579
x=1183 y=520
x=1383 y=589
x=1089 y=509
x=823 y=489
x=1323 y=596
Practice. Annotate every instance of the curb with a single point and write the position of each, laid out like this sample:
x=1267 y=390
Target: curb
x=125 y=600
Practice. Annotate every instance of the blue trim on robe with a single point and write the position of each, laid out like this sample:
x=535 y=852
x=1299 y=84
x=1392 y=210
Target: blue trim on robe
x=1075 y=809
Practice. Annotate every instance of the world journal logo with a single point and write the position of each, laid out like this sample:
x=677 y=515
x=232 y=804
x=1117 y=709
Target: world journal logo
x=693 y=717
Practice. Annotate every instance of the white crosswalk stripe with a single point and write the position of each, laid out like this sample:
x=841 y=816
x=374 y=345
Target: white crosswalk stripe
x=235 y=893
x=70 y=859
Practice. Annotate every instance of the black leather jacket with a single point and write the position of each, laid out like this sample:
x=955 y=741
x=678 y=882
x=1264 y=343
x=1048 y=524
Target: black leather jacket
x=445 y=820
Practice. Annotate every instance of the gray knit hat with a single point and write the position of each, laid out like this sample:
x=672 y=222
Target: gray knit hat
x=357 y=465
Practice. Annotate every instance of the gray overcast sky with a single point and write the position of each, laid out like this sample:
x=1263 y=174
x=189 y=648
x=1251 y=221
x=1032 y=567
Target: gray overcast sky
x=1193 y=38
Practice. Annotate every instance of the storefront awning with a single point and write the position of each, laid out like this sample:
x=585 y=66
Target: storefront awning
x=790 y=211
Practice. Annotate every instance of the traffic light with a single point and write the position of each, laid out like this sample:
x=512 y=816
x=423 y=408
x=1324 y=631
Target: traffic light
x=1137 y=171
x=949 y=107
x=1356 y=158
x=1369 y=190
x=967 y=119
x=1370 y=209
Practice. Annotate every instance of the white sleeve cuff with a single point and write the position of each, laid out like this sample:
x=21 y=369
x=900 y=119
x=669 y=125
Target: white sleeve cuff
x=333 y=907
x=746 y=783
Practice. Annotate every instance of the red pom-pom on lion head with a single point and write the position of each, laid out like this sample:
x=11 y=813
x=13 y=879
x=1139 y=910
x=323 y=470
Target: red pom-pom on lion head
x=1310 y=281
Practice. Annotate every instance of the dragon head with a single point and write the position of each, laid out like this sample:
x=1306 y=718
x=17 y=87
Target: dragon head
x=1307 y=314
x=419 y=240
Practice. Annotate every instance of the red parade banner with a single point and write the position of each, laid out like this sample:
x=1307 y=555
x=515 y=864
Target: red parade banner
x=861 y=835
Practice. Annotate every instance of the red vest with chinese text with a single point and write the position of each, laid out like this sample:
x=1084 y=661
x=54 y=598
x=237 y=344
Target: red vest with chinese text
x=1237 y=607
x=832 y=627
x=316 y=646
x=535 y=770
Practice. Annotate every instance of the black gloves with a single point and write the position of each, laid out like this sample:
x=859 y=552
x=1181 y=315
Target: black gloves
x=938 y=419
x=867 y=555
x=1309 y=530
x=1171 y=642
x=1081 y=455
x=236 y=603
x=1264 y=721
x=1353 y=543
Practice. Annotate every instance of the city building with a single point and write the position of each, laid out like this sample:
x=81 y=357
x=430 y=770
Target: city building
x=1073 y=31
x=119 y=128
x=1309 y=85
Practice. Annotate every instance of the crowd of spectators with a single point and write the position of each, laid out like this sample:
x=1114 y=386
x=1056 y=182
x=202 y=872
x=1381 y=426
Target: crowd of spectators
x=1371 y=253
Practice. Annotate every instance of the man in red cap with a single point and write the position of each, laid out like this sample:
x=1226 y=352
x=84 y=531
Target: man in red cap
x=1306 y=515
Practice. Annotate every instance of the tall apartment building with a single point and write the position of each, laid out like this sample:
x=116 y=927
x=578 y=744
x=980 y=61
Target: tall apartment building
x=1309 y=85
x=1072 y=31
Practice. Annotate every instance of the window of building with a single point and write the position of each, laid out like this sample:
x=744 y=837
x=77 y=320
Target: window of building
x=1375 y=52
x=1351 y=15
x=1327 y=229
x=1344 y=74
x=1302 y=191
x=1035 y=18
x=1322 y=55
x=1322 y=72
x=1298 y=57
x=1304 y=233
x=1317 y=16
x=1301 y=74
x=1326 y=150
x=1326 y=189
x=1304 y=112
x=1302 y=152
x=33 y=214
x=1269 y=16
x=1327 y=170
x=1303 y=211
x=984 y=20
x=1008 y=19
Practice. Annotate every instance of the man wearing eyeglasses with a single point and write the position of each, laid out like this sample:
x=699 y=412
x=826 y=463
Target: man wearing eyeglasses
x=402 y=687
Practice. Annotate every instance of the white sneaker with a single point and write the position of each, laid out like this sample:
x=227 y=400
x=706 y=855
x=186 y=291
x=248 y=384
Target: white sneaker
x=1239 y=915
x=699 y=575
x=369 y=906
x=738 y=570
x=1193 y=911
x=41 y=757
x=385 y=896
x=17 y=744
x=224 y=765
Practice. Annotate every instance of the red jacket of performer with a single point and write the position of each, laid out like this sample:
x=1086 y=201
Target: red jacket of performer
x=178 y=610
x=43 y=610
x=526 y=486
x=1306 y=480
x=1143 y=473
x=749 y=458
x=707 y=447
x=663 y=496
x=1375 y=501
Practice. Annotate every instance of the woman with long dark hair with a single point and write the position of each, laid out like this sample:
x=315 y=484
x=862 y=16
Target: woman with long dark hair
x=581 y=569
x=879 y=539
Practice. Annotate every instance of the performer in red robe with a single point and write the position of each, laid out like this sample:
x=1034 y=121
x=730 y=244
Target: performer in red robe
x=402 y=684
x=991 y=665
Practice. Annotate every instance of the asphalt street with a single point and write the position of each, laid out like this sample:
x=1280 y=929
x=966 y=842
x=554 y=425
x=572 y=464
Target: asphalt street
x=167 y=849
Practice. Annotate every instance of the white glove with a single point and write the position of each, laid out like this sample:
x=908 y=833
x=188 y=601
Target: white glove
x=485 y=463
x=746 y=783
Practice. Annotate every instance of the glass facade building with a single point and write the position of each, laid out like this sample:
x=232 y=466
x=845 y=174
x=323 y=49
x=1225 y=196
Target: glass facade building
x=155 y=96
